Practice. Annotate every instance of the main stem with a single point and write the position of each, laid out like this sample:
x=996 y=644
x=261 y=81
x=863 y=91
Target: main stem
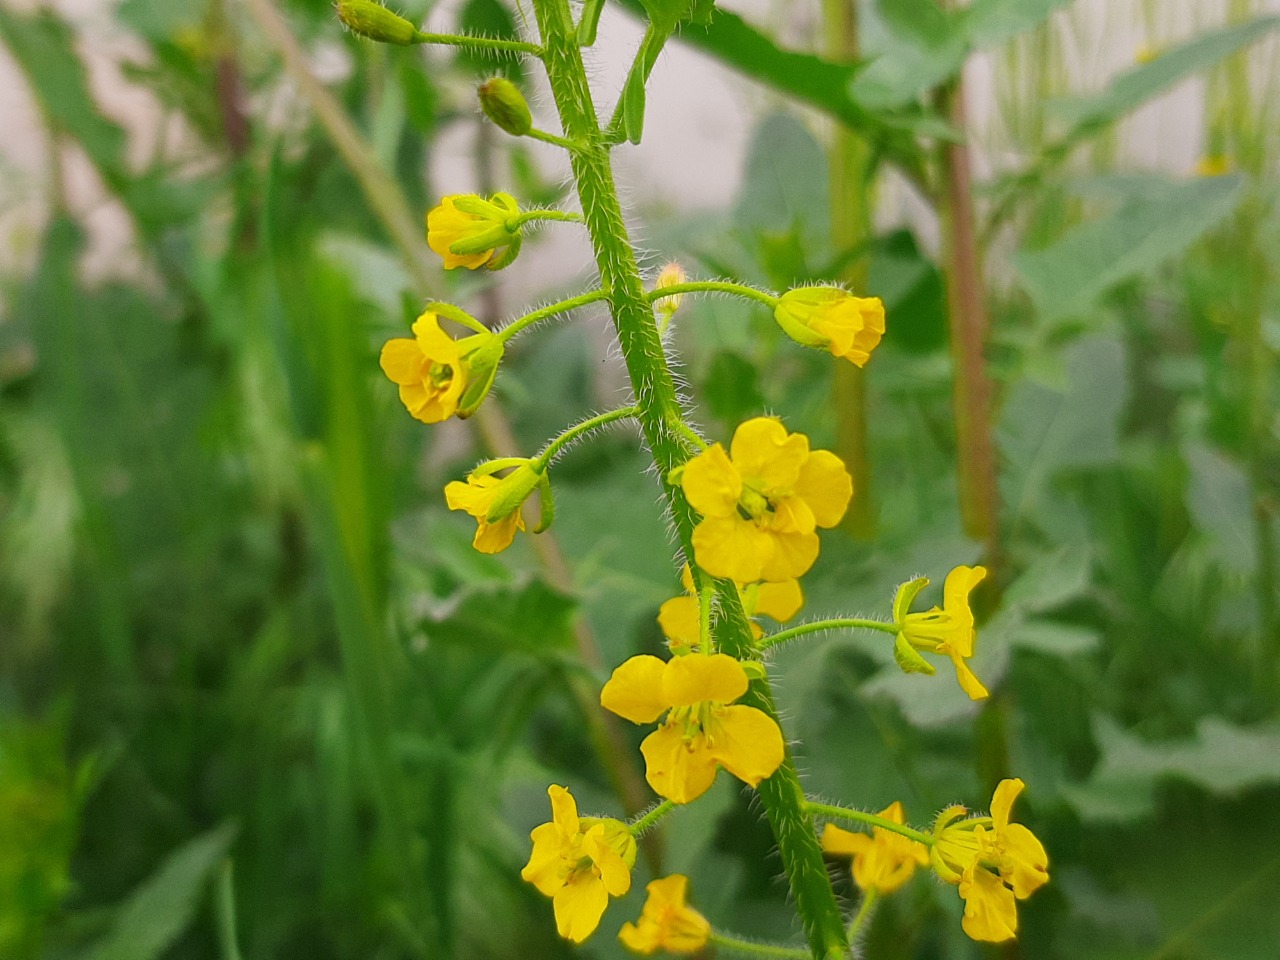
x=662 y=420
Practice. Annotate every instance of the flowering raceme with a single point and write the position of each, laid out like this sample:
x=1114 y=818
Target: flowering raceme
x=437 y=375
x=666 y=921
x=468 y=231
x=992 y=861
x=762 y=502
x=883 y=861
x=947 y=630
x=679 y=617
x=849 y=327
x=579 y=862
x=704 y=728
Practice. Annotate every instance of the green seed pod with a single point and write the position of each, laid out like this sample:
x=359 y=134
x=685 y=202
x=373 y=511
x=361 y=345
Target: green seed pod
x=503 y=103
x=376 y=22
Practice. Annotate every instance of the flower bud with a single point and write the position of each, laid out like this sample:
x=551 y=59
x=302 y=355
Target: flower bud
x=669 y=276
x=469 y=231
x=503 y=103
x=827 y=317
x=482 y=353
x=376 y=22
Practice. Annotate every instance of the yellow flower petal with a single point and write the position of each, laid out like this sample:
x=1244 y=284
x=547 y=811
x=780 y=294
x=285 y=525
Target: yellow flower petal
x=1002 y=801
x=543 y=868
x=838 y=842
x=635 y=691
x=712 y=484
x=790 y=515
x=762 y=450
x=564 y=810
x=496 y=537
x=679 y=619
x=615 y=874
x=446 y=225
x=969 y=681
x=780 y=601
x=666 y=922
x=402 y=361
x=825 y=485
x=677 y=770
x=990 y=911
x=692 y=679
x=1025 y=865
x=733 y=548
x=792 y=556
x=955 y=600
x=579 y=905
x=746 y=742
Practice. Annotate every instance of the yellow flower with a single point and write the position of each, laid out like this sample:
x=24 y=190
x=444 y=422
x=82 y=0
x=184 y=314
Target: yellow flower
x=496 y=503
x=680 y=617
x=670 y=275
x=1213 y=165
x=883 y=861
x=762 y=502
x=579 y=862
x=667 y=922
x=848 y=326
x=948 y=630
x=437 y=375
x=468 y=231
x=703 y=730
x=992 y=861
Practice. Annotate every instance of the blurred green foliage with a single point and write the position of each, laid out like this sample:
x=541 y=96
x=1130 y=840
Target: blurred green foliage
x=261 y=699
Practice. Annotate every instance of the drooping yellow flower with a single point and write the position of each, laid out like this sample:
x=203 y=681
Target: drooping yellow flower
x=1213 y=165
x=883 y=861
x=947 y=630
x=579 y=862
x=667 y=922
x=495 y=503
x=679 y=617
x=704 y=729
x=437 y=375
x=992 y=861
x=831 y=318
x=468 y=231
x=762 y=502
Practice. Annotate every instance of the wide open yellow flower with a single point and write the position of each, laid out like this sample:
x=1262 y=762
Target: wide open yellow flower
x=496 y=503
x=667 y=922
x=579 y=862
x=468 y=231
x=704 y=729
x=847 y=326
x=437 y=375
x=992 y=861
x=947 y=630
x=762 y=502
x=680 y=617
x=883 y=861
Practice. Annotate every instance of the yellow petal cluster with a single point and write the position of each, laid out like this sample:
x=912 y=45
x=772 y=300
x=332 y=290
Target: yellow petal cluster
x=679 y=617
x=849 y=327
x=704 y=729
x=947 y=630
x=437 y=375
x=666 y=921
x=992 y=861
x=579 y=862
x=495 y=503
x=762 y=502
x=468 y=231
x=882 y=861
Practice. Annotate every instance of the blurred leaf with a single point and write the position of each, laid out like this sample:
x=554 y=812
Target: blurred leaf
x=488 y=18
x=910 y=285
x=1154 y=221
x=785 y=185
x=1055 y=639
x=1221 y=501
x=1130 y=90
x=1051 y=580
x=157 y=912
x=990 y=22
x=730 y=387
x=913 y=46
x=159 y=20
x=533 y=618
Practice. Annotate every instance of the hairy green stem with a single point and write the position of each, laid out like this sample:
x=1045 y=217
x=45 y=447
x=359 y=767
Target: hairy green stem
x=581 y=300
x=649 y=819
x=737 y=945
x=818 y=626
x=865 y=909
x=533 y=133
x=662 y=420
x=541 y=461
x=530 y=216
x=847 y=813
x=478 y=43
x=713 y=286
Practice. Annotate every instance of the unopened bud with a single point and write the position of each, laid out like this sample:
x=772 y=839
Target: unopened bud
x=669 y=276
x=376 y=22
x=503 y=103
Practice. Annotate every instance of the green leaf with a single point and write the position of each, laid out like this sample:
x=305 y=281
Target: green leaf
x=785 y=183
x=1221 y=502
x=913 y=46
x=591 y=10
x=1155 y=221
x=731 y=387
x=1051 y=580
x=1132 y=89
x=158 y=911
x=488 y=18
x=533 y=618
x=989 y=22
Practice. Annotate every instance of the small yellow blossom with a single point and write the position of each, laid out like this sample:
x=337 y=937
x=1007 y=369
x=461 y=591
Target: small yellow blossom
x=437 y=375
x=495 y=503
x=947 y=630
x=468 y=231
x=828 y=317
x=1213 y=165
x=991 y=861
x=667 y=922
x=579 y=862
x=670 y=275
x=1146 y=53
x=883 y=861
x=762 y=502
x=680 y=617
x=704 y=729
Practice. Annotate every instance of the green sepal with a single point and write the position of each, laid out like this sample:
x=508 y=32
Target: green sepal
x=546 y=504
x=455 y=313
x=909 y=659
x=478 y=206
x=508 y=254
x=905 y=596
x=754 y=669
x=482 y=366
x=591 y=10
x=512 y=491
x=483 y=240
x=675 y=475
